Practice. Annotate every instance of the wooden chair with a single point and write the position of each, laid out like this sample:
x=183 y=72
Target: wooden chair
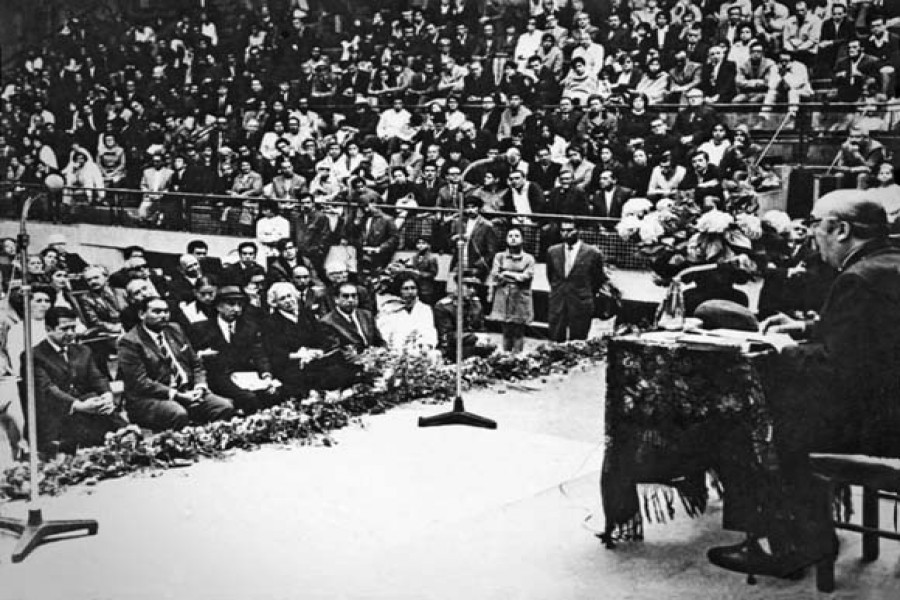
x=880 y=479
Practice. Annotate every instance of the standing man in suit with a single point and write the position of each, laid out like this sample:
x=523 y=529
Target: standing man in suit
x=232 y=343
x=75 y=406
x=165 y=382
x=480 y=236
x=575 y=272
x=609 y=199
x=376 y=235
x=312 y=233
x=349 y=326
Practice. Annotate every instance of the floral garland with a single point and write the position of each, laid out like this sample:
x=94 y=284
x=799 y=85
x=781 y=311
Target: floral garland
x=677 y=235
x=395 y=379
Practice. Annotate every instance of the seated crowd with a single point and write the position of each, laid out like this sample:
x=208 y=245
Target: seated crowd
x=420 y=107
x=208 y=341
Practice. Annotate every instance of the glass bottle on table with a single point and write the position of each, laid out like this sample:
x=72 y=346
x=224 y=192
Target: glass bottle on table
x=670 y=314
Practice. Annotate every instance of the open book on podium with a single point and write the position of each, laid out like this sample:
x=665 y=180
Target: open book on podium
x=742 y=341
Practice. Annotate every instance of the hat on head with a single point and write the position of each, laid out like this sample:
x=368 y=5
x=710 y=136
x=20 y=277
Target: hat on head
x=473 y=201
x=230 y=292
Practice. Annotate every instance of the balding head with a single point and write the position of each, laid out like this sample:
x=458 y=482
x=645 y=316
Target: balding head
x=190 y=265
x=844 y=220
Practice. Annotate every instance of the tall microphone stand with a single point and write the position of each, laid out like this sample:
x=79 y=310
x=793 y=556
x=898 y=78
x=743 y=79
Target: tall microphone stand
x=459 y=415
x=34 y=530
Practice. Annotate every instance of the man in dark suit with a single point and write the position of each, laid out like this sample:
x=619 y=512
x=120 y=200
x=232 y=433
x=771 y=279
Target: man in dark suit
x=836 y=32
x=75 y=407
x=836 y=393
x=703 y=177
x=694 y=123
x=482 y=239
x=100 y=305
x=522 y=196
x=575 y=272
x=230 y=344
x=609 y=199
x=717 y=80
x=182 y=281
x=246 y=266
x=348 y=326
x=165 y=382
x=377 y=237
x=544 y=171
x=312 y=298
x=853 y=71
x=209 y=265
x=312 y=232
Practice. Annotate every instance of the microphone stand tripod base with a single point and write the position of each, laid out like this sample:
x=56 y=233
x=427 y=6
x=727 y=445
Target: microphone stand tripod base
x=457 y=416
x=35 y=531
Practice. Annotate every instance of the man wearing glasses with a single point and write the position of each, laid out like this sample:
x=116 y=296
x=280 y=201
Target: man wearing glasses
x=836 y=393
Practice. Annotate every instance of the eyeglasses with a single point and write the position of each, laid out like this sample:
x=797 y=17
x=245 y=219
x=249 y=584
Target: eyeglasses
x=353 y=295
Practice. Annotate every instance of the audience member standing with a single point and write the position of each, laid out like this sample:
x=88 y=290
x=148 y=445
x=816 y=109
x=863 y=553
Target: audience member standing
x=575 y=272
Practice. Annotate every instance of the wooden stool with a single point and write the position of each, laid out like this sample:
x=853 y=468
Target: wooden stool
x=880 y=479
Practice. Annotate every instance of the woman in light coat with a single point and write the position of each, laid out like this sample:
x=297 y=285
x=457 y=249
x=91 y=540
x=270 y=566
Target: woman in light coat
x=510 y=285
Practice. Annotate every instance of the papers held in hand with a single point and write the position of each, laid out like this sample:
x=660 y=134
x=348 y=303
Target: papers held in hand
x=743 y=341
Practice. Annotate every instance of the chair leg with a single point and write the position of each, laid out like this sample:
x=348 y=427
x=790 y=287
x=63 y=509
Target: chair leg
x=870 y=519
x=825 y=567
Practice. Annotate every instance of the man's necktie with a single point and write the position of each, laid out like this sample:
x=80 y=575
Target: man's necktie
x=230 y=332
x=178 y=377
x=359 y=328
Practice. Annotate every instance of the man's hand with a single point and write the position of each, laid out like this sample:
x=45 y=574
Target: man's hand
x=88 y=406
x=781 y=323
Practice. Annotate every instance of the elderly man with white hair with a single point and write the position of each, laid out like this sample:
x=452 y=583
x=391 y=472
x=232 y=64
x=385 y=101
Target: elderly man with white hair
x=836 y=393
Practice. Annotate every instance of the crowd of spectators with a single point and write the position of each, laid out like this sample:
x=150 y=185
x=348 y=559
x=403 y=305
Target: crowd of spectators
x=390 y=106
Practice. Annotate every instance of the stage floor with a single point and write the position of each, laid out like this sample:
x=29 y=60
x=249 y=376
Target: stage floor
x=396 y=512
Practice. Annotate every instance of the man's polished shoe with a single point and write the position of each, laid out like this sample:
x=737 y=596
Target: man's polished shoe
x=750 y=558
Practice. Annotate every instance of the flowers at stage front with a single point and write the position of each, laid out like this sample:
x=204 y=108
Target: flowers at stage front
x=391 y=379
x=678 y=234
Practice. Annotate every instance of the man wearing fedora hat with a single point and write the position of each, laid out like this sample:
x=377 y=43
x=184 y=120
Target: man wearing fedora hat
x=231 y=344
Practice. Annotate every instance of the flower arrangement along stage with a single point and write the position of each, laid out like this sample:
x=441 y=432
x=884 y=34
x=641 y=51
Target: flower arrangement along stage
x=394 y=380
x=677 y=234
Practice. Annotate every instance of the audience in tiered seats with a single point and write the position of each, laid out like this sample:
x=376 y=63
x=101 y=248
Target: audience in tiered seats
x=292 y=128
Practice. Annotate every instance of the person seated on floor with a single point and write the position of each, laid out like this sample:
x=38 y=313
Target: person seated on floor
x=100 y=305
x=349 y=326
x=136 y=292
x=164 y=379
x=72 y=261
x=199 y=309
x=182 y=281
x=473 y=321
x=296 y=345
x=231 y=343
x=288 y=259
x=312 y=297
x=75 y=406
x=406 y=322
x=245 y=266
x=836 y=393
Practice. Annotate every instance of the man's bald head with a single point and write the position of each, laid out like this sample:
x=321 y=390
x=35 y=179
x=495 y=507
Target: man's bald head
x=190 y=265
x=844 y=220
